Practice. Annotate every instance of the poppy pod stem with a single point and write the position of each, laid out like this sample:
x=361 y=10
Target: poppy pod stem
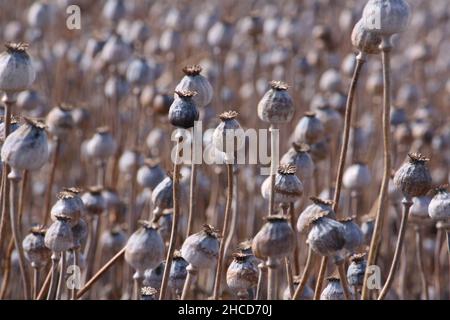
x=320 y=277
x=192 y=272
x=51 y=178
x=343 y=276
x=407 y=203
x=272 y=265
x=226 y=223
x=192 y=195
x=419 y=255
x=15 y=177
x=73 y=291
x=305 y=276
x=53 y=281
x=176 y=209
x=272 y=170
x=137 y=279
x=62 y=273
x=35 y=281
x=386 y=48
x=262 y=275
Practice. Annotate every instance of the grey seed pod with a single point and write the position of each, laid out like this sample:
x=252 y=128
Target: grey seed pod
x=59 y=121
x=140 y=73
x=29 y=100
x=245 y=247
x=298 y=155
x=165 y=224
x=150 y=174
x=419 y=208
x=178 y=272
x=58 y=237
x=112 y=241
x=386 y=17
x=439 y=207
x=144 y=249
x=161 y=104
x=153 y=277
x=102 y=145
x=116 y=88
x=79 y=233
x=40 y=15
x=330 y=81
x=16 y=70
x=307 y=293
x=413 y=177
x=327 y=236
x=242 y=274
x=27 y=147
x=115 y=50
x=130 y=160
x=162 y=195
x=338 y=100
x=276 y=106
x=194 y=81
x=202 y=248
x=228 y=133
x=367 y=228
x=34 y=248
x=356 y=270
x=93 y=200
x=275 y=239
x=149 y=293
x=353 y=235
x=221 y=35
x=357 y=177
x=308 y=215
x=114 y=10
x=183 y=111
x=13 y=126
x=111 y=198
x=330 y=118
x=81 y=118
x=333 y=290
x=309 y=129
x=288 y=187
x=68 y=204
x=364 y=39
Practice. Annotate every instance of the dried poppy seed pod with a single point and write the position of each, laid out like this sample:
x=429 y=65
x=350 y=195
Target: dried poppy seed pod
x=178 y=272
x=112 y=241
x=116 y=88
x=307 y=293
x=114 y=10
x=111 y=198
x=93 y=200
x=242 y=274
x=276 y=106
x=330 y=118
x=59 y=121
x=139 y=73
x=364 y=39
x=130 y=160
x=149 y=293
x=419 y=208
x=413 y=177
x=333 y=290
x=202 y=248
x=162 y=195
x=439 y=207
x=352 y=233
x=194 y=81
x=79 y=233
x=161 y=103
x=68 y=204
x=153 y=277
x=27 y=147
x=330 y=81
x=102 y=145
x=183 y=111
x=220 y=35
x=356 y=270
x=29 y=100
x=245 y=247
x=144 y=249
x=298 y=155
x=16 y=70
x=386 y=17
x=327 y=236
x=310 y=212
x=34 y=248
x=58 y=237
x=81 y=118
x=275 y=239
x=309 y=129
x=320 y=150
x=357 y=177
x=115 y=50
x=288 y=187
x=150 y=174
x=228 y=133
x=367 y=228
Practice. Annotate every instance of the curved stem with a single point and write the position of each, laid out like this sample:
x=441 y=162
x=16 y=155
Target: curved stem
x=320 y=277
x=436 y=264
x=272 y=265
x=296 y=247
x=234 y=212
x=219 y=267
x=73 y=291
x=192 y=197
x=419 y=255
x=45 y=286
x=306 y=272
x=62 y=273
x=51 y=178
x=272 y=170
x=382 y=199
x=35 y=282
x=289 y=277
x=191 y=274
x=262 y=275
x=53 y=280
x=398 y=249
x=173 y=234
x=137 y=279
x=7 y=271
x=344 y=283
